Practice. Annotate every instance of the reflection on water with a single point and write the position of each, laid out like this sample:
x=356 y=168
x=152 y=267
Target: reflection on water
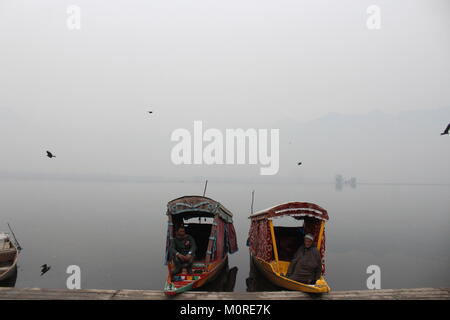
x=11 y=280
x=340 y=182
x=224 y=282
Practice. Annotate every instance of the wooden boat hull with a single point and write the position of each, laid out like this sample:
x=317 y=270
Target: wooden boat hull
x=176 y=287
x=9 y=279
x=8 y=263
x=273 y=270
x=9 y=273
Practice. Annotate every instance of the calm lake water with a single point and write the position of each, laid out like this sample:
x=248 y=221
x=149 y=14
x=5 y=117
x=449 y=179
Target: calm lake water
x=116 y=232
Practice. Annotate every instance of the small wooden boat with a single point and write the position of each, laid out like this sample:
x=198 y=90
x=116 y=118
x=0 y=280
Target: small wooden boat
x=8 y=258
x=211 y=226
x=273 y=247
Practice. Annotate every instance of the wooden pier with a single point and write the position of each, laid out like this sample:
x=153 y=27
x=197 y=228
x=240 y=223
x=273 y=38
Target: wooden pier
x=63 y=294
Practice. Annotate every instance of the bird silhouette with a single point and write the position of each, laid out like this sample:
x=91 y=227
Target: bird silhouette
x=150 y=112
x=44 y=269
x=446 y=130
x=299 y=163
x=50 y=155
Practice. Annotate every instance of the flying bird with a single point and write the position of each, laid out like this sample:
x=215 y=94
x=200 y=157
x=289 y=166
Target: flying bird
x=44 y=269
x=446 y=130
x=50 y=155
x=299 y=163
x=150 y=112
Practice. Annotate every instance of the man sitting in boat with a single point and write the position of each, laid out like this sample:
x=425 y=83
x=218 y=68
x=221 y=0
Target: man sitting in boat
x=306 y=266
x=183 y=251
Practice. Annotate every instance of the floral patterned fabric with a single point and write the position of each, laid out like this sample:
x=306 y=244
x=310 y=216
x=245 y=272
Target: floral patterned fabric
x=293 y=208
x=260 y=241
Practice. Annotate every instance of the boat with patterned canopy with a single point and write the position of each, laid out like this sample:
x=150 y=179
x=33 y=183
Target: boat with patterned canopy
x=273 y=247
x=211 y=226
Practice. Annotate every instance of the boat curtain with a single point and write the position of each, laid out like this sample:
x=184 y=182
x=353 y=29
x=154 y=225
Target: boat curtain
x=224 y=239
x=260 y=241
x=169 y=239
x=322 y=251
x=230 y=236
x=220 y=238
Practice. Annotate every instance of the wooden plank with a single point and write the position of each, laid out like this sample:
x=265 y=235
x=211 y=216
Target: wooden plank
x=64 y=294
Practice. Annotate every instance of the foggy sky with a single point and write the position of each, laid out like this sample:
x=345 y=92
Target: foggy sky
x=231 y=64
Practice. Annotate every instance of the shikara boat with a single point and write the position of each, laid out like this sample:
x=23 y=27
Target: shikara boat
x=211 y=226
x=8 y=258
x=273 y=247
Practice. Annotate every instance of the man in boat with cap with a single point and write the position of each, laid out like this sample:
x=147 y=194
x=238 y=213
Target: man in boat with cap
x=306 y=266
x=183 y=251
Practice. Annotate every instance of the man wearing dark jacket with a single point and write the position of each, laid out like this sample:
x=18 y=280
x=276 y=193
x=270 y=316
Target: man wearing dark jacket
x=182 y=251
x=306 y=266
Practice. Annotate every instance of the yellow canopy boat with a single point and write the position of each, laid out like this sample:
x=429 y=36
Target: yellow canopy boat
x=273 y=247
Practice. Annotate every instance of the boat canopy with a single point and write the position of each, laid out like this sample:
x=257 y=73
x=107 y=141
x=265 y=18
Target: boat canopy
x=198 y=206
x=214 y=240
x=298 y=210
x=260 y=239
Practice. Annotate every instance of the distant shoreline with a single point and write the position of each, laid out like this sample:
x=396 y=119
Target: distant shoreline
x=155 y=179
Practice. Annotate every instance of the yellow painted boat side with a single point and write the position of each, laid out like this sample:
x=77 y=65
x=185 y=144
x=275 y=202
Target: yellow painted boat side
x=268 y=269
